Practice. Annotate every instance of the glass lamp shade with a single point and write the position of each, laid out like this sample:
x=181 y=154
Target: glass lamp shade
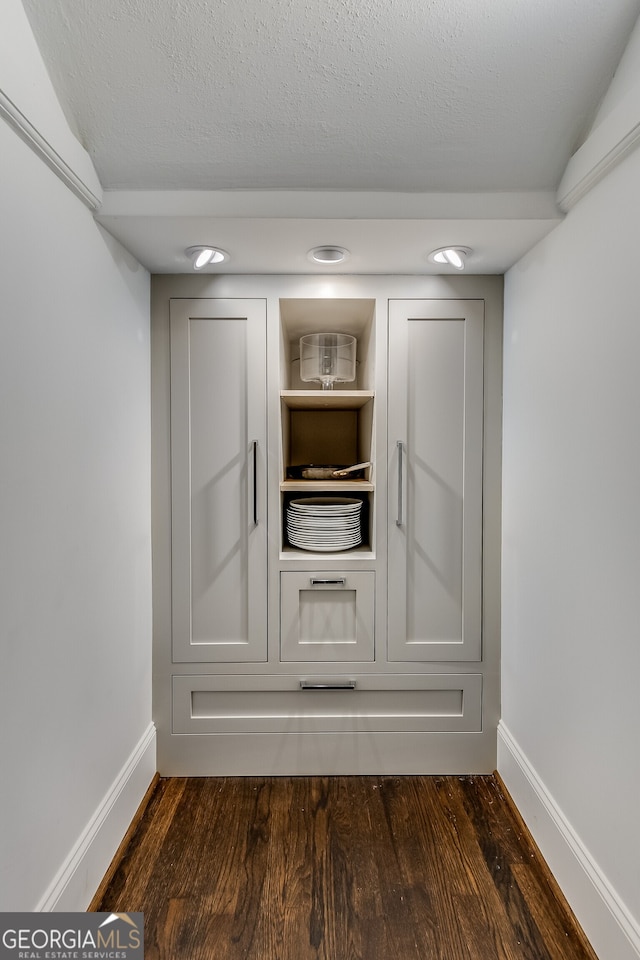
x=328 y=357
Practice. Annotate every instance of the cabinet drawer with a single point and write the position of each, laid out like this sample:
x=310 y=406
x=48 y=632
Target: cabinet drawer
x=312 y=704
x=327 y=616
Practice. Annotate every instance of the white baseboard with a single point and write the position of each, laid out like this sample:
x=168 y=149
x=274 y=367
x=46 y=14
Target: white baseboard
x=82 y=871
x=611 y=929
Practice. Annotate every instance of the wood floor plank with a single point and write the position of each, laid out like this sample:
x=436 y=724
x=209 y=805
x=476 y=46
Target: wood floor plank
x=140 y=861
x=498 y=915
x=340 y=868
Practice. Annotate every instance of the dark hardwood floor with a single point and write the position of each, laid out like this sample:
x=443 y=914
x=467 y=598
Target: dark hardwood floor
x=340 y=868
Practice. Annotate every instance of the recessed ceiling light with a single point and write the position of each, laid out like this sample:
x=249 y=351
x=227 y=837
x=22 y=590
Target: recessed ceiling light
x=203 y=256
x=328 y=254
x=450 y=256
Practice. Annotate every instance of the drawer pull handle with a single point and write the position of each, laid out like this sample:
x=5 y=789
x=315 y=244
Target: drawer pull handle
x=334 y=685
x=255 y=483
x=400 y=512
x=320 y=581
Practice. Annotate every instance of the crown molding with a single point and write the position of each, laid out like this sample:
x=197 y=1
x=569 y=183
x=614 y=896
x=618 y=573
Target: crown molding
x=76 y=182
x=607 y=145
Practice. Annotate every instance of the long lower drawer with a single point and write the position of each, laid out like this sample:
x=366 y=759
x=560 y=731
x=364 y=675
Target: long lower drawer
x=312 y=703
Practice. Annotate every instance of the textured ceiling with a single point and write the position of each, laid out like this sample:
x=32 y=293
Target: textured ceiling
x=398 y=96
x=419 y=95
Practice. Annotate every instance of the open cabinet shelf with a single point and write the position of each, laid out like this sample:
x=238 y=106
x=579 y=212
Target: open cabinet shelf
x=322 y=399
x=326 y=486
x=322 y=428
x=363 y=552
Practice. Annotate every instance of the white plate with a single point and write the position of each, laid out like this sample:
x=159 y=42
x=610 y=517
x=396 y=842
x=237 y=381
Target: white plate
x=327 y=502
x=331 y=507
x=324 y=549
x=324 y=531
x=314 y=520
x=329 y=541
x=323 y=524
x=323 y=515
x=324 y=545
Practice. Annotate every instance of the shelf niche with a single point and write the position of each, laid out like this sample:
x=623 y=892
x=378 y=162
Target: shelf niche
x=327 y=434
x=300 y=317
x=365 y=550
x=327 y=427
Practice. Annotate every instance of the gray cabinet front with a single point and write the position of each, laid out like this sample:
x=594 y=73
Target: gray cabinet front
x=435 y=479
x=218 y=441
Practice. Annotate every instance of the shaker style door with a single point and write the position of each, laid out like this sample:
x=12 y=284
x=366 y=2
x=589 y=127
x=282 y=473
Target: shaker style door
x=435 y=479
x=218 y=476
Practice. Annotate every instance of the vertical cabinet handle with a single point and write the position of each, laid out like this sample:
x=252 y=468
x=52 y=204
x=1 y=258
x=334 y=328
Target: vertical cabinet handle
x=400 y=512
x=255 y=483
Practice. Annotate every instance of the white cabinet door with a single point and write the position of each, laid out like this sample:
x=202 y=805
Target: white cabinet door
x=219 y=496
x=435 y=479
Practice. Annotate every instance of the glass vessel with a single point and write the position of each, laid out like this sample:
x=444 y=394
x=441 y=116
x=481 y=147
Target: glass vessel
x=328 y=357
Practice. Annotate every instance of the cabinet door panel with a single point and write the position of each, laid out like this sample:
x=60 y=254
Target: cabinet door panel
x=327 y=616
x=435 y=479
x=218 y=416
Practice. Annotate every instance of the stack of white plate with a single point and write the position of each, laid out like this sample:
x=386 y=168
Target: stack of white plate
x=324 y=523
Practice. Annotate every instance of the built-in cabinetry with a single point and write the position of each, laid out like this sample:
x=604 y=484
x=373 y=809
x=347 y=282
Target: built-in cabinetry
x=435 y=479
x=273 y=657
x=218 y=480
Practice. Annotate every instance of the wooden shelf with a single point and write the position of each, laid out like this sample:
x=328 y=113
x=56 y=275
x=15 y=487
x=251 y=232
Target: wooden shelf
x=332 y=399
x=363 y=552
x=326 y=486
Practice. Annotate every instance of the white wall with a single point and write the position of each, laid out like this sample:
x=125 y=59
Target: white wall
x=571 y=551
x=75 y=578
x=625 y=81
